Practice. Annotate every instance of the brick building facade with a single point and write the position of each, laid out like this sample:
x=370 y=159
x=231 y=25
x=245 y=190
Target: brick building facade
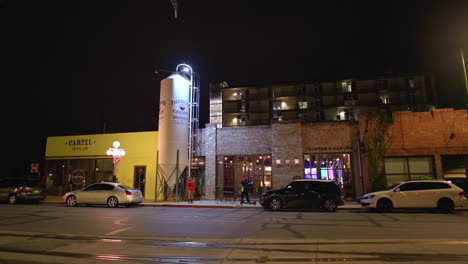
x=425 y=144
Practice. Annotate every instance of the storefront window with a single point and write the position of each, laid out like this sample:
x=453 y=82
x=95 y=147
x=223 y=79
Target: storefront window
x=334 y=166
x=255 y=168
x=68 y=175
x=455 y=169
x=412 y=168
x=310 y=167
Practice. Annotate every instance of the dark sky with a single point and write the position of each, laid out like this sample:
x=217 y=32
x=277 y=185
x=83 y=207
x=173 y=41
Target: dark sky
x=68 y=67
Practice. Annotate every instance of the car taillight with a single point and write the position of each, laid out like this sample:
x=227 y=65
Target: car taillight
x=127 y=192
x=462 y=194
x=23 y=191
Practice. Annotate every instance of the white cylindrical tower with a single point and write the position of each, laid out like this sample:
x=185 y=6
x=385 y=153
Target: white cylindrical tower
x=174 y=109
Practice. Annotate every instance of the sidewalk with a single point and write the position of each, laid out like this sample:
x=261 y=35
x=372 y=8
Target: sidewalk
x=352 y=205
x=204 y=204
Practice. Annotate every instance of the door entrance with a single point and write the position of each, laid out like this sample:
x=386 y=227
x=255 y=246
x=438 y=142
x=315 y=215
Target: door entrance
x=139 y=178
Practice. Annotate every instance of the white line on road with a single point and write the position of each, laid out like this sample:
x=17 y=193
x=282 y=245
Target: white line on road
x=119 y=222
x=117 y=231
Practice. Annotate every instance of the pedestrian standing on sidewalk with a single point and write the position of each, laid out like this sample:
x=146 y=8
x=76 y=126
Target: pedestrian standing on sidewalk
x=245 y=190
x=190 y=189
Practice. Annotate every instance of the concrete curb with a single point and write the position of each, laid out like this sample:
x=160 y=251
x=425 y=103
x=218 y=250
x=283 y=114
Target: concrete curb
x=350 y=206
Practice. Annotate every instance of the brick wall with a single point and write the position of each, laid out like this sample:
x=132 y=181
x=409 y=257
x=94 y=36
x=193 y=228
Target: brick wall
x=435 y=133
x=441 y=131
x=248 y=140
x=287 y=145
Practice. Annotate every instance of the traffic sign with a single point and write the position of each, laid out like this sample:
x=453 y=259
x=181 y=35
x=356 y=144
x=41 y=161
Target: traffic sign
x=34 y=167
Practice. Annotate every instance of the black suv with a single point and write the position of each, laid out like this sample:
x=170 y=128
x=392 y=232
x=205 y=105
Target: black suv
x=313 y=194
x=14 y=189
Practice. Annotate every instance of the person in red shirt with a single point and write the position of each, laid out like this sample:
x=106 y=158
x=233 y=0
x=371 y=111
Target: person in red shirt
x=190 y=189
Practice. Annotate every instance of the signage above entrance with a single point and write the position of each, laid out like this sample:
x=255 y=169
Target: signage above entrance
x=328 y=149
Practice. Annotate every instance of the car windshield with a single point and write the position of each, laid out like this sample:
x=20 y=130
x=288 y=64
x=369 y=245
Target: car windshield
x=126 y=187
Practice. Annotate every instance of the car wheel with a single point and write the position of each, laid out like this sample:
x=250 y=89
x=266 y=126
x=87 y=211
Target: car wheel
x=329 y=205
x=445 y=206
x=112 y=202
x=384 y=206
x=12 y=199
x=71 y=200
x=275 y=204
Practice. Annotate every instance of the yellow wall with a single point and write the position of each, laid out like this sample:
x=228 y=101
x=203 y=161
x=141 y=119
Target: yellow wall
x=140 y=147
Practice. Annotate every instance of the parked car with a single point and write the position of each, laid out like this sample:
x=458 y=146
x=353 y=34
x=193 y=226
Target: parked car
x=440 y=194
x=460 y=182
x=13 y=190
x=313 y=194
x=110 y=193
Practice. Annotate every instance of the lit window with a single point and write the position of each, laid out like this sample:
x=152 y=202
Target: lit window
x=302 y=104
x=385 y=99
x=347 y=86
x=277 y=105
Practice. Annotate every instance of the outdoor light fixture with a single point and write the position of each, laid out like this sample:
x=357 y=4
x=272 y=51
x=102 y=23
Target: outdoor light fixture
x=115 y=152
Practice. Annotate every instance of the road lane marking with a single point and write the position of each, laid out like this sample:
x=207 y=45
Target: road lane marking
x=119 y=222
x=117 y=231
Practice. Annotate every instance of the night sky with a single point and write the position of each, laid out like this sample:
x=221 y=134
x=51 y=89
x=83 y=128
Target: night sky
x=69 y=67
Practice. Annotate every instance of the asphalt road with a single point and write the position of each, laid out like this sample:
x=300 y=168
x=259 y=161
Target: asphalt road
x=54 y=233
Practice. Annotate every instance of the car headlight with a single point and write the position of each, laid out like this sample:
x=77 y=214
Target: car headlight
x=368 y=196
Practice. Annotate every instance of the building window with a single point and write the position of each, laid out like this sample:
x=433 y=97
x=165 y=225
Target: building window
x=382 y=84
x=318 y=88
x=455 y=169
x=347 y=86
x=384 y=98
x=320 y=116
x=350 y=99
x=318 y=101
x=410 y=83
x=411 y=168
x=277 y=105
x=243 y=107
x=278 y=115
x=330 y=166
x=302 y=104
x=347 y=114
x=301 y=90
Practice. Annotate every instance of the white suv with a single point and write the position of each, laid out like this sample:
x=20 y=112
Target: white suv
x=443 y=195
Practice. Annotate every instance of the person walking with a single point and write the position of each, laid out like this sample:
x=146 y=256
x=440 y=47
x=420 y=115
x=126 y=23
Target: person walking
x=245 y=190
x=190 y=189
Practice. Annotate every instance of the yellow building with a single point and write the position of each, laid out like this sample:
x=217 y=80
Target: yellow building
x=75 y=161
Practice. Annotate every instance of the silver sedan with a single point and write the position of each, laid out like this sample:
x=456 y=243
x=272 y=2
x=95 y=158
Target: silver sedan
x=110 y=193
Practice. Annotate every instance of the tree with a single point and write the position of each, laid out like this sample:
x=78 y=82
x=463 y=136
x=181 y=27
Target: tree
x=377 y=139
